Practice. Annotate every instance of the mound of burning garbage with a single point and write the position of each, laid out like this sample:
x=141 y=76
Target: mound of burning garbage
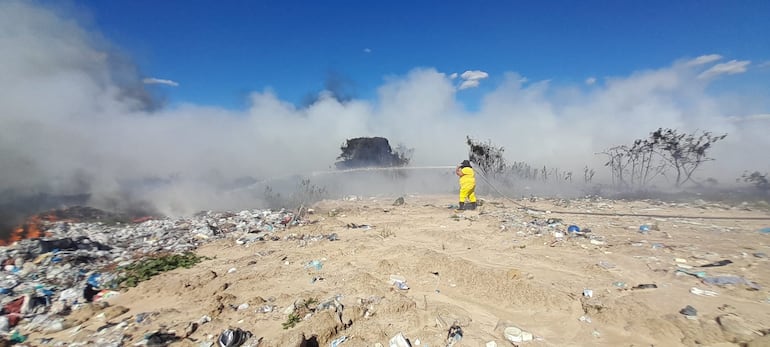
x=64 y=259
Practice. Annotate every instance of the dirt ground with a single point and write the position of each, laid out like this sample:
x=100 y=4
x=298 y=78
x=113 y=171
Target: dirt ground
x=484 y=270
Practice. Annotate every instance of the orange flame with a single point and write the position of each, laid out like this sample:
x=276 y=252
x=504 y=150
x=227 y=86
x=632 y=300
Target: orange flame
x=30 y=229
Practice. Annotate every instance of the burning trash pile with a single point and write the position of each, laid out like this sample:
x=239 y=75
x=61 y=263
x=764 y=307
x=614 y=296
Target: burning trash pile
x=67 y=263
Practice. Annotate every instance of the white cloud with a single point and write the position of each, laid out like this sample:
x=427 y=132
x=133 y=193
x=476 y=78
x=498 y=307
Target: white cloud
x=751 y=118
x=467 y=84
x=367 y=50
x=471 y=79
x=765 y=64
x=153 y=80
x=101 y=140
x=453 y=75
x=704 y=59
x=474 y=75
x=590 y=81
x=731 y=67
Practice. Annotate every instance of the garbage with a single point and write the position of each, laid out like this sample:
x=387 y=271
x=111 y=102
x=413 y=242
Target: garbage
x=644 y=229
x=73 y=262
x=718 y=263
x=454 y=335
x=514 y=334
x=645 y=286
x=585 y=319
x=689 y=312
x=338 y=341
x=765 y=230
x=573 y=229
x=399 y=201
x=619 y=284
x=588 y=293
x=702 y=292
x=314 y=264
x=605 y=265
x=399 y=341
x=233 y=337
x=728 y=280
x=399 y=282
x=359 y=226
x=699 y=274
x=160 y=339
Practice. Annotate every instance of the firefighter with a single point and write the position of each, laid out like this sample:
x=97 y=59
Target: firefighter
x=467 y=185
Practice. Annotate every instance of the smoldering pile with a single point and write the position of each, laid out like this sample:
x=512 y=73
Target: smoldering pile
x=75 y=262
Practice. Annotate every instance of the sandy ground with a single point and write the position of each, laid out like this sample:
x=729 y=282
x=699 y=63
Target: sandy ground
x=484 y=270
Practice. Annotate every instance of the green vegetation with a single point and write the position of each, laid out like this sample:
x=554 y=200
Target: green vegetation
x=147 y=268
x=291 y=321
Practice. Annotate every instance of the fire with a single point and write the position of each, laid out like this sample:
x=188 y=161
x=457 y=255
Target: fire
x=32 y=228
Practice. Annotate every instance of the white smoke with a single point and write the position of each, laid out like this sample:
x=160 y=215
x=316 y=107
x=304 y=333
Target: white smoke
x=75 y=119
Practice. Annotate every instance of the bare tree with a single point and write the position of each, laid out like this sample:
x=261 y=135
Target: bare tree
x=487 y=157
x=684 y=152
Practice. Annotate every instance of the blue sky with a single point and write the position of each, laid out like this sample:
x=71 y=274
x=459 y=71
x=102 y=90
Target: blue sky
x=221 y=51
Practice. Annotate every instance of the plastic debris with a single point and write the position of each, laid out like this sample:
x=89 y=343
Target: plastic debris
x=338 y=341
x=689 y=312
x=515 y=334
x=702 y=292
x=233 y=337
x=730 y=280
x=314 y=264
x=645 y=286
x=699 y=274
x=588 y=293
x=399 y=341
x=718 y=263
x=454 y=335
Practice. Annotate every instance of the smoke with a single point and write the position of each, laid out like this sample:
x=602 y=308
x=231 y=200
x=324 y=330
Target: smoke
x=75 y=118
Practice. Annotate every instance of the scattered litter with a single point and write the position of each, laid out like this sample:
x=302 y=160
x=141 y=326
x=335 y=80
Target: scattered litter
x=644 y=229
x=759 y=255
x=702 y=292
x=728 y=280
x=399 y=282
x=338 y=341
x=160 y=338
x=588 y=293
x=333 y=237
x=645 y=286
x=233 y=337
x=359 y=226
x=399 y=201
x=718 y=263
x=514 y=334
x=619 y=284
x=573 y=229
x=454 y=335
x=680 y=260
x=314 y=264
x=765 y=230
x=689 y=312
x=399 y=341
x=606 y=265
x=699 y=274
x=597 y=242
x=231 y=270
x=585 y=319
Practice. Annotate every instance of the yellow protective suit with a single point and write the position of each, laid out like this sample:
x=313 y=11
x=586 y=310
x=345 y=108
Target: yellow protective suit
x=467 y=185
